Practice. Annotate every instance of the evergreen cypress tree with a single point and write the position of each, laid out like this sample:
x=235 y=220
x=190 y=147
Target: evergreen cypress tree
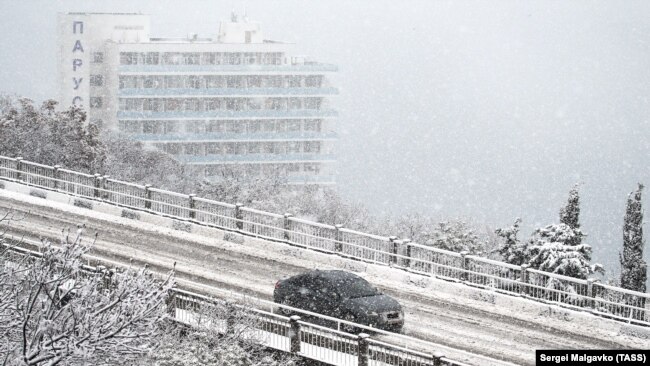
x=570 y=215
x=633 y=268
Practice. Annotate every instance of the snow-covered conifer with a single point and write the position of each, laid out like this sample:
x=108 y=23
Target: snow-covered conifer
x=570 y=215
x=512 y=250
x=634 y=270
x=548 y=251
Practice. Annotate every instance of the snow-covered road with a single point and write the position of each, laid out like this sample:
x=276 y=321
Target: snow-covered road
x=437 y=311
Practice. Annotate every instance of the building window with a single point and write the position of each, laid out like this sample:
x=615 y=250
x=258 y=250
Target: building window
x=281 y=126
x=172 y=105
x=152 y=127
x=170 y=58
x=240 y=148
x=151 y=58
x=280 y=148
x=96 y=80
x=254 y=81
x=312 y=103
x=215 y=126
x=313 y=81
x=234 y=58
x=192 y=105
x=152 y=82
x=173 y=149
x=294 y=103
x=213 y=149
x=268 y=126
x=254 y=147
x=293 y=81
x=194 y=82
x=293 y=147
x=254 y=126
x=310 y=168
x=130 y=126
x=312 y=147
x=313 y=125
x=193 y=149
x=171 y=127
x=128 y=58
x=195 y=127
x=127 y=82
x=191 y=58
x=97 y=57
x=95 y=102
x=215 y=81
x=212 y=104
x=234 y=82
x=152 y=105
x=293 y=126
x=172 y=82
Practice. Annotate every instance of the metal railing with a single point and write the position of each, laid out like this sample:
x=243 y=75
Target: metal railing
x=327 y=344
x=305 y=338
x=589 y=295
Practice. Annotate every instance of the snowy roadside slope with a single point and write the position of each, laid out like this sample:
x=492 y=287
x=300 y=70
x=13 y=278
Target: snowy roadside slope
x=477 y=320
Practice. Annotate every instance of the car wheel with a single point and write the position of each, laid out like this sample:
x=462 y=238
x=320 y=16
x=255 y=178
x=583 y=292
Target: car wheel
x=283 y=311
x=349 y=328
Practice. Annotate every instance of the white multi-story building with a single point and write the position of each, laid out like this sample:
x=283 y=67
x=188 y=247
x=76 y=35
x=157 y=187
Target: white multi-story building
x=235 y=99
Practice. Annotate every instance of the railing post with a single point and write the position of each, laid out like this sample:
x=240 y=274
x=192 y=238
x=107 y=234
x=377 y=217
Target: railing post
x=523 y=287
x=192 y=205
x=171 y=304
x=463 y=274
x=294 y=334
x=436 y=357
x=591 y=293
x=338 y=238
x=55 y=176
x=230 y=318
x=407 y=243
x=104 y=192
x=19 y=167
x=147 y=201
x=98 y=181
x=363 y=349
x=239 y=216
x=287 y=226
x=393 y=249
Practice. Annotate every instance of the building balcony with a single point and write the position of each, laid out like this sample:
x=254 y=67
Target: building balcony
x=254 y=158
x=225 y=114
x=229 y=92
x=236 y=137
x=225 y=69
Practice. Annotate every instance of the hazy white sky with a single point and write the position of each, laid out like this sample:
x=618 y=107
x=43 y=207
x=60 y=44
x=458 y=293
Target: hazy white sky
x=483 y=109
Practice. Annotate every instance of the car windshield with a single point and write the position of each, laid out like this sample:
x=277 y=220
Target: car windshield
x=354 y=287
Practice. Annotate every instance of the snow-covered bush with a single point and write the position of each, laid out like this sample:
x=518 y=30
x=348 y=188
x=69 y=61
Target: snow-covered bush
x=52 y=312
x=453 y=235
x=49 y=137
x=548 y=251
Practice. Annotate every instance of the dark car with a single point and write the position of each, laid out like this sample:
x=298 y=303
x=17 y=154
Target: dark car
x=341 y=295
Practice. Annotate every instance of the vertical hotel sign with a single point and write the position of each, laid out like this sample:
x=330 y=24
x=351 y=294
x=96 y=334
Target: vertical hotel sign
x=77 y=62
